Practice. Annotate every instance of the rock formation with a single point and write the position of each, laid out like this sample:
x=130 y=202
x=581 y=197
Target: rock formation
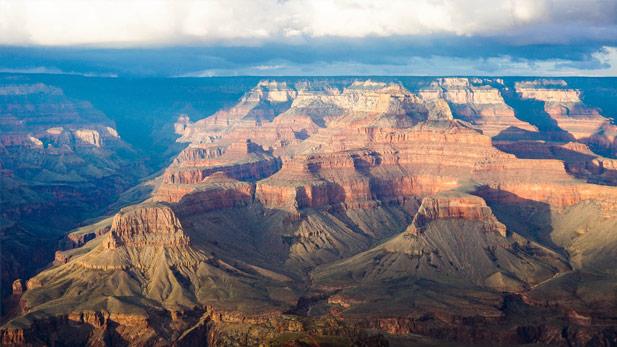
x=453 y=237
x=454 y=206
x=477 y=102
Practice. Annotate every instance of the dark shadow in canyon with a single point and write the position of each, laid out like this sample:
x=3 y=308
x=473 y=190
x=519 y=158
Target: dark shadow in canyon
x=528 y=218
x=532 y=112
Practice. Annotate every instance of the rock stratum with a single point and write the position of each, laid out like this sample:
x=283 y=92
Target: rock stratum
x=479 y=211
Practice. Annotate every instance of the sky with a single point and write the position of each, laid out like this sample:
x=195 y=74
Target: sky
x=203 y=38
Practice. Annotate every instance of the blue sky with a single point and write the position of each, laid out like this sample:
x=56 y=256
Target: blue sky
x=302 y=37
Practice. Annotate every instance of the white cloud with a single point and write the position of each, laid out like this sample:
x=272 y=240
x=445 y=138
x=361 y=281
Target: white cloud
x=247 y=22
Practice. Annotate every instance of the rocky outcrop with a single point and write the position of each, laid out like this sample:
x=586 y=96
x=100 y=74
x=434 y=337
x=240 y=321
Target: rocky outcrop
x=240 y=171
x=18 y=287
x=218 y=191
x=145 y=225
x=76 y=240
x=89 y=136
x=77 y=328
x=243 y=160
x=453 y=206
x=60 y=258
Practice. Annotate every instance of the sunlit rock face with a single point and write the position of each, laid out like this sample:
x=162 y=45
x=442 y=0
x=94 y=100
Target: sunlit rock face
x=478 y=102
x=472 y=210
x=152 y=225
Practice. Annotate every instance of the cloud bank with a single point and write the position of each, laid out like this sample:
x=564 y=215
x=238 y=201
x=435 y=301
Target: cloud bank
x=241 y=22
x=226 y=37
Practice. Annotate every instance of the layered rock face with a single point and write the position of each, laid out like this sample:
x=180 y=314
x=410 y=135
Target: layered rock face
x=151 y=225
x=243 y=160
x=477 y=102
x=259 y=105
x=571 y=114
x=436 y=209
x=455 y=206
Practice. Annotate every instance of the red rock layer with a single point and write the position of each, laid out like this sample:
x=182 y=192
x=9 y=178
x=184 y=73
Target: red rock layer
x=455 y=206
x=243 y=160
x=241 y=171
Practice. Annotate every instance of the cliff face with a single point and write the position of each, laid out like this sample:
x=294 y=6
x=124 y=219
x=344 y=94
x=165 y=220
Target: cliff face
x=571 y=114
x=156 y=225
x=477 y=102
x=243 y=160
x=436 y=208
x=450 y=206
x=219 y=192
x=261 y=104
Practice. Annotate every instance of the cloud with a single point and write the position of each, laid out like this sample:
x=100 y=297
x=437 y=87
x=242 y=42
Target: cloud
x=122 y=23
x=300 y=37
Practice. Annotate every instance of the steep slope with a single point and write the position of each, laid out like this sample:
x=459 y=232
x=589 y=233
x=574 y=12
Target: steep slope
x=454 y=239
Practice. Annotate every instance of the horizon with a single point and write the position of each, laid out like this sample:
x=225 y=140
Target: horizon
x=264 y=77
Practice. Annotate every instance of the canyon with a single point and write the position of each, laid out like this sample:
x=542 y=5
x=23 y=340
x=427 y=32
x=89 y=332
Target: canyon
x=355 y=210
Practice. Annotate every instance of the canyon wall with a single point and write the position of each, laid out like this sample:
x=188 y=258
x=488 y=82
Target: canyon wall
x=441 y=208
